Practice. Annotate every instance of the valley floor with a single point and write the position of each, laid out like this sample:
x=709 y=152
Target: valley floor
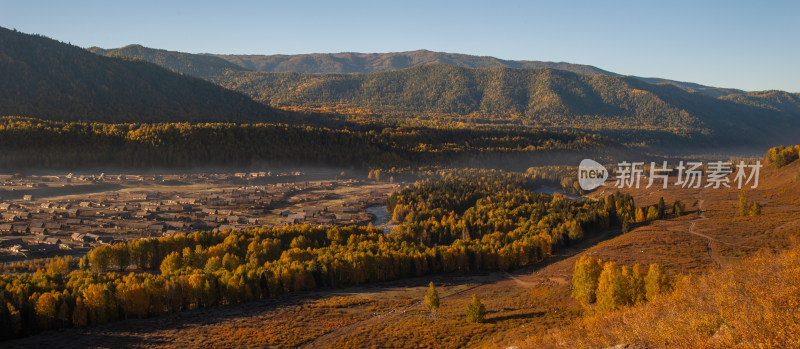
x=525 y=303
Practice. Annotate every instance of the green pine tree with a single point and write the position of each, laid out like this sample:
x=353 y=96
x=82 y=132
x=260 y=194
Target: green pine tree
x=626 y=226
x=755 y=209
x=476 y=311
x=678 y=208
x=743 y=206
x=585 y=278
x=652 y=213
x=662 y=209
x=432 y=299
x=610 y=293
x=656 y=281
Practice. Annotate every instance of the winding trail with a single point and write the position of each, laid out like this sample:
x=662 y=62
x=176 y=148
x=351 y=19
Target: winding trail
x=710 y=241
x=523 y=283
x=329 y=338
x=786 y=226
x=701 y=214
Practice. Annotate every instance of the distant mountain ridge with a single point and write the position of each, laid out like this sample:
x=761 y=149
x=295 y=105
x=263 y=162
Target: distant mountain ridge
x=534 y=97
x=353 y=62
x=45 y=78
x=693 y=87
x=554 y=96
x=202 y=65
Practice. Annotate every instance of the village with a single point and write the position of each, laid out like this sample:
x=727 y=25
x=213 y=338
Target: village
x=49 y=215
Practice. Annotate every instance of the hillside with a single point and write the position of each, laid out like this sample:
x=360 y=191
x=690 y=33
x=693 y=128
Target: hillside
x=438 y=88
x=775 y=100
x=352 y=62
x=538 y=97
x=746 y=268
x=202 y=66
x=205 y=65
x=49 y=79
x=693 y=87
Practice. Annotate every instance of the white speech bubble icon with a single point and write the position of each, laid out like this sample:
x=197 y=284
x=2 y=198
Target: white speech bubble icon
x=591 y=174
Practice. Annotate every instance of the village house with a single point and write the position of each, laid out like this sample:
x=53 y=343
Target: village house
x=52 y=225
x=74 y=221
x=8 y=206
x=80 y=237
x=52 y=241
x=294 y=218
x=314 y=210
x=39 y=230
x=92 y=236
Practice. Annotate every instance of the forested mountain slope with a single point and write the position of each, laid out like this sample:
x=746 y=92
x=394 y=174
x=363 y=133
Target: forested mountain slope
x=443 y=88
x=204 y=65
x=201 y=66
x=353 y=62
x=539 y=97
x=49 y=79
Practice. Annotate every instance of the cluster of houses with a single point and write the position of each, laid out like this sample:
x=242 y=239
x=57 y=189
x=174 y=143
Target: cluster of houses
x=28 y=225
x=20 y=180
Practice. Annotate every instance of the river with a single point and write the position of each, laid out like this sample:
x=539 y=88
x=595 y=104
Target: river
x=381 y=218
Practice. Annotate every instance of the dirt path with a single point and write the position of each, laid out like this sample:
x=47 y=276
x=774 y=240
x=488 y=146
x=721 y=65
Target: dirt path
x=329 y=338
x=529 y=284
x=710 y=241
x=701 y=215
x=787 y=226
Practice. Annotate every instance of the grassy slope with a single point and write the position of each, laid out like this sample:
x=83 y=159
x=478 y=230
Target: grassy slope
x=741 y=291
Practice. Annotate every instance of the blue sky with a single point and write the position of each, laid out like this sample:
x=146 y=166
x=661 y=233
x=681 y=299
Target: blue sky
x=751 y=45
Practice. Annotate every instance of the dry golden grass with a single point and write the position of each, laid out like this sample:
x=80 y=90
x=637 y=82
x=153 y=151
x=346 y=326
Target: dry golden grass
x=748 y=305
x=711 y=233
x=741 y=290
x=514 y=310
x=340 y=302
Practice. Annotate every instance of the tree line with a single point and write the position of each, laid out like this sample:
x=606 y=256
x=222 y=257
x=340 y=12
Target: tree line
x=609 y=286
x=27 y=142
x=782 y=155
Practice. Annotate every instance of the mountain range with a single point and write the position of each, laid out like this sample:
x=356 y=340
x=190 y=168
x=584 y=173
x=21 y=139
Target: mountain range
x=205 y=65
x=45 y=78
x=48 y=79
x=461 y=88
